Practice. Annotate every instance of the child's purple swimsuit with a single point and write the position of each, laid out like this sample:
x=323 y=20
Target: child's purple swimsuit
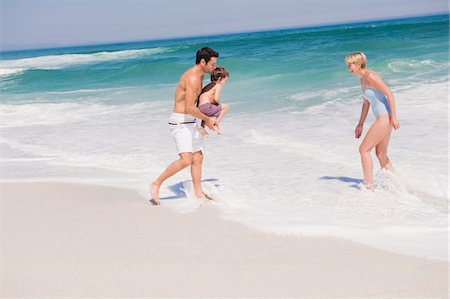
x=210 y=109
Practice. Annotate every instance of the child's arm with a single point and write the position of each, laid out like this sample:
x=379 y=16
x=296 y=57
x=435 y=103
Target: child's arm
x=216 y=95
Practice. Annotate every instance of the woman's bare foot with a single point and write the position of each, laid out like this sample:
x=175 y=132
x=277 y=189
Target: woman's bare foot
x=154 y=191
x=389 y=167
x=217 y=130
x=204 y=133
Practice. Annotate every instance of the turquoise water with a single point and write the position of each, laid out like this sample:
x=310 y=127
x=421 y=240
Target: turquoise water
x=288 y=162
x=266 y=67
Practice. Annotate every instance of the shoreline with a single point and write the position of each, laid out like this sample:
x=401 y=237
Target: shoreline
x=71 y=239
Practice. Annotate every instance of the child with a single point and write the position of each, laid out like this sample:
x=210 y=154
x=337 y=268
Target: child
x=209 y=99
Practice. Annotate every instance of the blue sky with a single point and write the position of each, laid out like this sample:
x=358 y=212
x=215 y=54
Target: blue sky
x=51 y=23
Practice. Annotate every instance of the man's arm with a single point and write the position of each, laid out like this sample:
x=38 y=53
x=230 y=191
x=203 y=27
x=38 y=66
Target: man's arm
x=190 y=97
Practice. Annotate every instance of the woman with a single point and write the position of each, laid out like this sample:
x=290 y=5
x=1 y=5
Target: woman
x=378 y=95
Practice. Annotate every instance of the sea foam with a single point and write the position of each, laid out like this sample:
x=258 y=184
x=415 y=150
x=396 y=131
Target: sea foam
x=52 y=62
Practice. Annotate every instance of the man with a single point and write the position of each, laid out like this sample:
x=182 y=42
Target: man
x=184 y=127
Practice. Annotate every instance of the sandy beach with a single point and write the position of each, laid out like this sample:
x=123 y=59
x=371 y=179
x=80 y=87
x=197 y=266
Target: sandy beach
x=75 y=240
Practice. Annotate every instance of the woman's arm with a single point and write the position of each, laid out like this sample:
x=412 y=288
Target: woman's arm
x=362 y=119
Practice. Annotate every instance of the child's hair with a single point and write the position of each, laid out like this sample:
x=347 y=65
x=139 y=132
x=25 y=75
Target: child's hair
x=358 y=58
x=219 y=72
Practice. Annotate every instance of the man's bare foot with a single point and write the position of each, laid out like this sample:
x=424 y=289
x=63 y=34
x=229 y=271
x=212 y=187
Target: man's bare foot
x=217 y=130
x=207 y=196
x=203 y=196
x=369 y=187
x=154 y=191
x=204 y=133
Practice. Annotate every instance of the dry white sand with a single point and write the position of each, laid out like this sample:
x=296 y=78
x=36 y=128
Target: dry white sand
x=76 y=240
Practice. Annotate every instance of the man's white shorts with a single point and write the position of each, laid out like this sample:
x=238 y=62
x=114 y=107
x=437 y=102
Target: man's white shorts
x=184 y=130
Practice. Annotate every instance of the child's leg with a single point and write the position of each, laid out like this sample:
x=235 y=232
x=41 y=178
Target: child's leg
x=203 y=131
x=222 y=113
x=217 y=130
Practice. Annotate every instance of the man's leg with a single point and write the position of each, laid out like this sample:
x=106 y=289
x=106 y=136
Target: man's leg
x=196 y=172
x=184 y=161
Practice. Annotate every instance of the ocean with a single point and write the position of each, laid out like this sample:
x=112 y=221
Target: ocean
x=288 y=161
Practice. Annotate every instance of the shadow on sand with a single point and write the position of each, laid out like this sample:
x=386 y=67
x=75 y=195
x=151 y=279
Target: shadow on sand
x=178 y=189
x=344 y=179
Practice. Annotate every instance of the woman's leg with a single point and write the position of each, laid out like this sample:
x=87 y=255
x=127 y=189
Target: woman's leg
x=380 y=128
x=381 y=151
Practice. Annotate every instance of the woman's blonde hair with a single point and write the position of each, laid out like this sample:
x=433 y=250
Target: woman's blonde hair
x=358 y=58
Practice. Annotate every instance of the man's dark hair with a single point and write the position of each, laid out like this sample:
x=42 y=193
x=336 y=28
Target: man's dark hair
x=205 y=53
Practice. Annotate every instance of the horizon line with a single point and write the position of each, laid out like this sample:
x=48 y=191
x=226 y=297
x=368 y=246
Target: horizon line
x=108 y=43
